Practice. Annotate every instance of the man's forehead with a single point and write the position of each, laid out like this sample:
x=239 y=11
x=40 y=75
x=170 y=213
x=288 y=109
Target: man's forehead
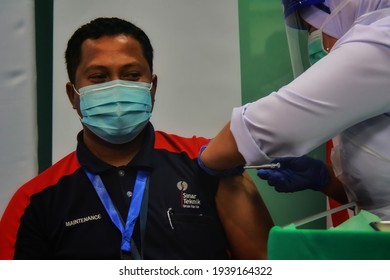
x=115 y=46
x=119 y=51
x=111 y=41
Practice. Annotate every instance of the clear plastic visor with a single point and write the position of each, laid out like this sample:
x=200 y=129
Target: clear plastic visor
x=297 y=38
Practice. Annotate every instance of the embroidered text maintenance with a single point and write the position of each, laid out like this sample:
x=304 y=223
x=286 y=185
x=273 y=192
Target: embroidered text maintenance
x=83 y=220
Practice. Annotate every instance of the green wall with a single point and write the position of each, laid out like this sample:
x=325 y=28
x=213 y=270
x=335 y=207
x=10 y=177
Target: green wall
x=265 y=67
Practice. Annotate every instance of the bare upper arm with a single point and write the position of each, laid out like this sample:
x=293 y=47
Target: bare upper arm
x=245 y=217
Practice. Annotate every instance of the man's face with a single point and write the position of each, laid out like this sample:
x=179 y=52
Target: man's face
x=108 y=58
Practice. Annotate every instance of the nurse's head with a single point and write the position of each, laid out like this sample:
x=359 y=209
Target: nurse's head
x=336 y=17
x=325 y=21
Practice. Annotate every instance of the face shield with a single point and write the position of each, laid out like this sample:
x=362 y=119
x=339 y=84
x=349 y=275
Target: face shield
x=297 y=33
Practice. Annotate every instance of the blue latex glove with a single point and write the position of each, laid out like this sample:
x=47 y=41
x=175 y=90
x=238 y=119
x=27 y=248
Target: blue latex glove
x=218 y=173
x=296 y=174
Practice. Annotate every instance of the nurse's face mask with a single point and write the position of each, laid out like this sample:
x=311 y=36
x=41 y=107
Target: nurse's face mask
x=116 y=111
x=315 y=42
x=316 y=46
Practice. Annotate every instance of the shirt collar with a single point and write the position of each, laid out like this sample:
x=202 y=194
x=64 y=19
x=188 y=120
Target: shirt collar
x=143 y=159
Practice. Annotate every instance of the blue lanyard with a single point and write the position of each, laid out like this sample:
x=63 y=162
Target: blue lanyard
x=135 y=206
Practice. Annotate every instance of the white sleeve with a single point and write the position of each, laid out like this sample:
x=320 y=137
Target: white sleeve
x=351 y=84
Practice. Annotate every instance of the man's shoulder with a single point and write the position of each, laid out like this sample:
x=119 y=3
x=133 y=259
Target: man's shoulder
x=178 y=144
x=49 y=177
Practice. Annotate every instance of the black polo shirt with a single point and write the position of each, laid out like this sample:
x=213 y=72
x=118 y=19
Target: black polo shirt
x=58 y=214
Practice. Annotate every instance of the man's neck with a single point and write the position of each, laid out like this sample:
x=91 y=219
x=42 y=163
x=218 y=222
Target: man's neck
x=113 y=154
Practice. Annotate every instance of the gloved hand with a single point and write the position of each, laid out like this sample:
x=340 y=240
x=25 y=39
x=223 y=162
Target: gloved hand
x=296 y=174
x=218 y=173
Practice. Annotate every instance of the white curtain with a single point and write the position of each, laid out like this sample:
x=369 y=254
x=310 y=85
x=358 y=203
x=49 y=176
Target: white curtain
x=18 y=129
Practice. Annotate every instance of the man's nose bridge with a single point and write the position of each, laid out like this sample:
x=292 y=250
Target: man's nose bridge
x=115 y=76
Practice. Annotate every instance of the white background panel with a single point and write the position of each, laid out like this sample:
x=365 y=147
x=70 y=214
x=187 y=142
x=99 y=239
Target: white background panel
x=18 y=130
x=196 y=45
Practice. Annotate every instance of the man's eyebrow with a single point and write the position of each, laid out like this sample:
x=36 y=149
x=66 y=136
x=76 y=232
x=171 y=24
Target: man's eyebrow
x=95 y=67
x=132 y=65
x=98 y=67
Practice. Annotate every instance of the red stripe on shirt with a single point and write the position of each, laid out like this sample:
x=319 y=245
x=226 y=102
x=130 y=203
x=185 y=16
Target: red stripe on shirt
x=10 y=222
x=177 y=144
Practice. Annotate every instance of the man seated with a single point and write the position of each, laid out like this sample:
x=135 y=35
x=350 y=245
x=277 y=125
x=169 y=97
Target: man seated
x=129 y=191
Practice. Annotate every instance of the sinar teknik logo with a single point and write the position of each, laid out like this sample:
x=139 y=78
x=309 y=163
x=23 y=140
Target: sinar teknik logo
x=182 y=186
x=187 y=200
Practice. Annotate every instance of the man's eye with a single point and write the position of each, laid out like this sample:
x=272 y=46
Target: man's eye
x=97 y=78
x=131 y=76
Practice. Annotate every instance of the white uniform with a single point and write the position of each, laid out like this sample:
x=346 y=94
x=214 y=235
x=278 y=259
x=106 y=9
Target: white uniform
x=347 y=93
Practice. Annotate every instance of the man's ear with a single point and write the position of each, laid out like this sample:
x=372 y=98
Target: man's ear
x=154 y=88
x=73 y=96
x=71 y=93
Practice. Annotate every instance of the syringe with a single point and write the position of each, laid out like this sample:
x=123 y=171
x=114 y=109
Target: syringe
x=263 y=166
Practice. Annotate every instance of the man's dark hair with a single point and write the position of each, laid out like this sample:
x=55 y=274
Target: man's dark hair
x=100 y=27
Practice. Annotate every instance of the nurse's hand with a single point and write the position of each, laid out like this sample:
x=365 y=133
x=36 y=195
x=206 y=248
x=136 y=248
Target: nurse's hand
x=296 y=174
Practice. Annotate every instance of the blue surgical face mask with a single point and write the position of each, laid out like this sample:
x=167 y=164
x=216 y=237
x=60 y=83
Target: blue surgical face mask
x=316 y=46
x=116 y=111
